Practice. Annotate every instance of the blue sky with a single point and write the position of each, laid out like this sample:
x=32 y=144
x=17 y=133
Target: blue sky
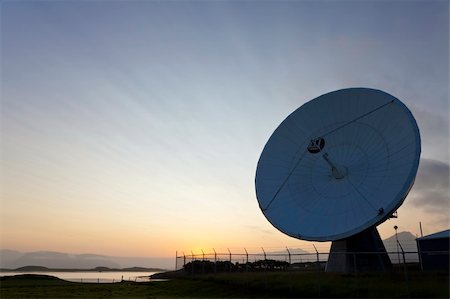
x=126 y=122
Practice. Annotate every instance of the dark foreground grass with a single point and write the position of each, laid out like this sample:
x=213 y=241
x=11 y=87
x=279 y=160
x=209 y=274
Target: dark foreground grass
x=240 y=285
x=41 y=286
x=333 y=285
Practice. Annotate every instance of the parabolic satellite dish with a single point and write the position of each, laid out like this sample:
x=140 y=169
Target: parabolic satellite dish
x=338 y=165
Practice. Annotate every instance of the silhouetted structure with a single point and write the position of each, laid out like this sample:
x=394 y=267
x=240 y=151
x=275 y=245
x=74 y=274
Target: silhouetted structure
x=434 y=251
x=361 y=252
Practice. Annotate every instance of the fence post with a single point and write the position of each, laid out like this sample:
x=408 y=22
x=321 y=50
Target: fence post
x=230 y=257
x=405 y=270
x=215 y=261
x=184 y=260
x=318 y=269
x=419 y=255
x=192 y=263
x=203 y=262
x=246 y=260
x=355 y=268
x=289 y=254
x=266 y=284
x=396 y=239
x=317 y=256
x=265 y=259
x=176 y=260
x=290 y=272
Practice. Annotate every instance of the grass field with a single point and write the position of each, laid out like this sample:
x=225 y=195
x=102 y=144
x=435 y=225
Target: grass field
x=240 y=285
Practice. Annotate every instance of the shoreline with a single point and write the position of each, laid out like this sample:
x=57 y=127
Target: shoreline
x=97 y=269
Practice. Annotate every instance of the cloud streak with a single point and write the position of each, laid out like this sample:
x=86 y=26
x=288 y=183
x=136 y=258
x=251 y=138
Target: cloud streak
x=431 y=189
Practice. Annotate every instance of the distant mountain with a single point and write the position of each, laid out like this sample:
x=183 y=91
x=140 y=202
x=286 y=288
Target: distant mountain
x=6 y=256
x=89 y=255
x=147 y=262
x=32 y=268
x=135 y=269
x=51 y=259
x=11 y=259
x=407 y=241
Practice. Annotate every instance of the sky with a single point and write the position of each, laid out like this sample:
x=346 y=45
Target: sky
x=133 y=128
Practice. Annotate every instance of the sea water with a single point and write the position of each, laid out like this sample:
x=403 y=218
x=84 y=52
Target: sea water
x=91 y=276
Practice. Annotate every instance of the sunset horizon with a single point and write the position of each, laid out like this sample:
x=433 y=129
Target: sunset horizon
x=134 y=129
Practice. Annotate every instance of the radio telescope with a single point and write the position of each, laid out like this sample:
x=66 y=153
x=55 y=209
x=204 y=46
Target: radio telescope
x=337 y=167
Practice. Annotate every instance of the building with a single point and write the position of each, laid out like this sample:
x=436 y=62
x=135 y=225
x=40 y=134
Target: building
x=434 y=251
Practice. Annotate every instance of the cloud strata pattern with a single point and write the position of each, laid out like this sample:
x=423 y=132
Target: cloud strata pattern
x=431 y=189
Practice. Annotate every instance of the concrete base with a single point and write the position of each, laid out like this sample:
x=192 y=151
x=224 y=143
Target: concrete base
x=362 y=252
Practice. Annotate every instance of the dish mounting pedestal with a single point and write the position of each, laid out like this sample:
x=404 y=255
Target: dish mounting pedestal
x=362 y=252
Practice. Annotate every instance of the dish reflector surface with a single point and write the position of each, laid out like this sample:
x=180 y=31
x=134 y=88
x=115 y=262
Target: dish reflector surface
x=339 y=164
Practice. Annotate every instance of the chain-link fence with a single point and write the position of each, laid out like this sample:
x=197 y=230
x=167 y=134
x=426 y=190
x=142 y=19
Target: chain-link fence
x=303 y=271
x=405 y=252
